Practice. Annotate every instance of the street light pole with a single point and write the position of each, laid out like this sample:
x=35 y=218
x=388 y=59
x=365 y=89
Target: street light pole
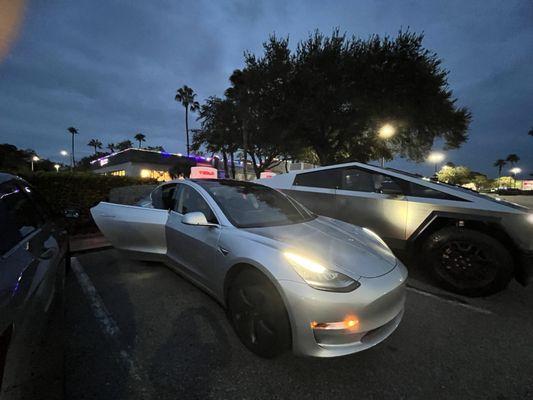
x=33 y=159
x=436 y=158
x=515 y=171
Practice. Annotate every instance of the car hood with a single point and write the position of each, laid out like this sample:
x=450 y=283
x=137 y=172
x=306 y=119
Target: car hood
x=337 y=245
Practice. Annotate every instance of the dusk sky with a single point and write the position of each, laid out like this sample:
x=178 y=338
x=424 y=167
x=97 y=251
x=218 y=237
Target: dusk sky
x=111 y=68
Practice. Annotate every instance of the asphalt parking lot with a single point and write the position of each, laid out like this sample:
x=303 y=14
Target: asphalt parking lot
x=138 y=330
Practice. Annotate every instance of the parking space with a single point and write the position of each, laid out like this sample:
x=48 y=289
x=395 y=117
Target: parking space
x=138 y=330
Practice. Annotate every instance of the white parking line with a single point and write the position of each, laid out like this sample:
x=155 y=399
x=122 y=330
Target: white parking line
x=450 y=301
x=103 y=316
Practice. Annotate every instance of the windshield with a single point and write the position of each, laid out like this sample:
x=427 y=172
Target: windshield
x=248 y=205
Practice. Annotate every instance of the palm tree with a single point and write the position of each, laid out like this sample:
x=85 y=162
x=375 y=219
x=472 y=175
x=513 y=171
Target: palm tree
x=111 y=147
x=73 y=131
x=140 y=138
x=185 y=96
x=96 y=144
x=513 y=159
x=500 y=164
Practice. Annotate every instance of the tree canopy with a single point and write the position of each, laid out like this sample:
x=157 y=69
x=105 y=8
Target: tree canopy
x=330 y=96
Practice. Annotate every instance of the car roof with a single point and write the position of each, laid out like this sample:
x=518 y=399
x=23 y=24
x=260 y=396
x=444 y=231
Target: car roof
x=285 y=181
x=4 y=177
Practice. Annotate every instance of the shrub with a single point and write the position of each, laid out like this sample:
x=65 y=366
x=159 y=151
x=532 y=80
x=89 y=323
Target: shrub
x=79 y=190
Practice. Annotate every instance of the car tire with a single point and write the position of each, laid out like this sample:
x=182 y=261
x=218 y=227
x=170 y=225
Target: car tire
x=258 y=315
x=468 y=262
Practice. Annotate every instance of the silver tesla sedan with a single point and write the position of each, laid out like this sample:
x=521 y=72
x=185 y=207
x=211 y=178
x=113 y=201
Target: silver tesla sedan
x=288 y=278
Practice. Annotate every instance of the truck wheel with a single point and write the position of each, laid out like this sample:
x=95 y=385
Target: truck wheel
x=258 y=315
x=468 y=262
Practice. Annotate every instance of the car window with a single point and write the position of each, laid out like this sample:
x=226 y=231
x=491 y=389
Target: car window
x=18 y=216
x=416 y=190
x=360 y=180
x=189 y=200
x=249 y=205
x=163 y=196
x=327 y=179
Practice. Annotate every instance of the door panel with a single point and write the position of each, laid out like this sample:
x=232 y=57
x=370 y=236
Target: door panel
x=384 y=214
x=132 y=228
x=193 y=247
x=374 y=200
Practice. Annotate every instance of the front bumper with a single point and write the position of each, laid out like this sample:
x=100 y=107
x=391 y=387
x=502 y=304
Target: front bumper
x=378 y=306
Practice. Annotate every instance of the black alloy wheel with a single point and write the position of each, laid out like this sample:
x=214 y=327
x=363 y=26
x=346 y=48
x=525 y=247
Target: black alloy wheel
x=468 y=262
x=258 y=315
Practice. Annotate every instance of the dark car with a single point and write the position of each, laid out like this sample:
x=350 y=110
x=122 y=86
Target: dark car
x=33 y=259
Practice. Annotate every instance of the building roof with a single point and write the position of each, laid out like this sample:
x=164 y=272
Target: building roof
x=143 y=156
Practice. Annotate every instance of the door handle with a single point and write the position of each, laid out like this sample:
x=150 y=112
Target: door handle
x=48 y=253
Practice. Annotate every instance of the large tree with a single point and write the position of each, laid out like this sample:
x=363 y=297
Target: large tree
x=186 y=96
x=264 y=102
x=329 y=98
x=347 y=88
x=221 y=130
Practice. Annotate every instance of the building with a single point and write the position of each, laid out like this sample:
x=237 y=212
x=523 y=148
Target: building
x=143 y=163
x=154 y=164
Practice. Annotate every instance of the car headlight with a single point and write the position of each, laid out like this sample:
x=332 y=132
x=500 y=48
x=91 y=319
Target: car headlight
x=318 y=276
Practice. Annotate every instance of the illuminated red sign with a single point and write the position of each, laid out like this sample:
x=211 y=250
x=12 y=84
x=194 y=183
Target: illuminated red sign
x=204 y=173
x=267 y=174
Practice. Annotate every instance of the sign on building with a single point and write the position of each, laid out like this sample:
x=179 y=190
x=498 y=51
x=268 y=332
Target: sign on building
x=204 y=173
x=527 y=184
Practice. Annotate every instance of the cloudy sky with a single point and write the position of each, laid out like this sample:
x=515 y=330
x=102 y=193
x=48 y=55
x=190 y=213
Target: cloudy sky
x=111 y=68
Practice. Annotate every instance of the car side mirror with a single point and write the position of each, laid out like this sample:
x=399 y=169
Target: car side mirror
x=196 y=218
x=71 y=213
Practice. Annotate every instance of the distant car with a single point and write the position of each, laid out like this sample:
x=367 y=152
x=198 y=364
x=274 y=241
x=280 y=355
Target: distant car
x=33 y=258
x=473 y=244
x=286 y=277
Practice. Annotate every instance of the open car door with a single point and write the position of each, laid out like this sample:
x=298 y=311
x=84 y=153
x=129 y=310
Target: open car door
x=133 y=228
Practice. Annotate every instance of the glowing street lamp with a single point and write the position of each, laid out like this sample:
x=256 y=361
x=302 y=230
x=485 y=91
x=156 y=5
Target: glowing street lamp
x=34 y=159
x=436 y=157
x=386 y=132
x=57 y=166
x=64 y=153
x=515 y=171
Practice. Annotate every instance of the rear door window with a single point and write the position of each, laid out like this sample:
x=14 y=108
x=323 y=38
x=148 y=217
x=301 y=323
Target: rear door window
x=360 y=180
x=327 y=179
x=417 y=190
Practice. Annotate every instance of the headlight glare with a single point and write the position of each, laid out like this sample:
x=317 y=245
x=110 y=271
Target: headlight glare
x=318 y=276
